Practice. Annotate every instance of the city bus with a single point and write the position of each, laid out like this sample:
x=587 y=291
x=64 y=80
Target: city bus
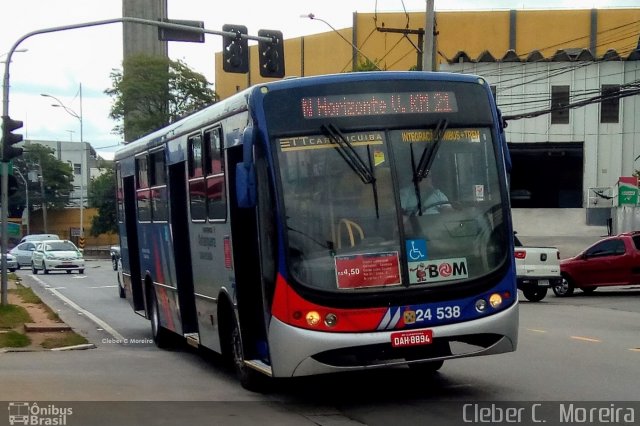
x=289 y=228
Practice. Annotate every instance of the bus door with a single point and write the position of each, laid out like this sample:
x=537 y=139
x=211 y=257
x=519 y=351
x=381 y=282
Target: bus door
x=133 y=248
x=181 y=248
x=247 y=266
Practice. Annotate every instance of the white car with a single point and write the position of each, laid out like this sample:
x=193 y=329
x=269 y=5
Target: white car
x=57 y=255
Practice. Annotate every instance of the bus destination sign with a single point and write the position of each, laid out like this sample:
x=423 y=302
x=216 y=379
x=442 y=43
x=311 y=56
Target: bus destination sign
x=376 y=104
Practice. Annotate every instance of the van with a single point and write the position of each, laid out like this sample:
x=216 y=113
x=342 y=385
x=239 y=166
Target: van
x=39 y=237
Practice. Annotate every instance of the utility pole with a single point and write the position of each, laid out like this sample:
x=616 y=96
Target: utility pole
x=44 y=201
x=26 y=195
x=427 y=57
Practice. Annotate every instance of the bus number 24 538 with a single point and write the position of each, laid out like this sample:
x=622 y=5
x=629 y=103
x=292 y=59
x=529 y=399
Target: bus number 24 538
x=441 y=313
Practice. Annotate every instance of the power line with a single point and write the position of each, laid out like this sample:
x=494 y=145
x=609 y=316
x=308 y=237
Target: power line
x=596 y=99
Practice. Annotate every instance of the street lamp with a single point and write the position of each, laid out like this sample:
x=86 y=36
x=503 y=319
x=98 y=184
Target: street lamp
x=15 y=51
x=314 y=17
x=82 y=152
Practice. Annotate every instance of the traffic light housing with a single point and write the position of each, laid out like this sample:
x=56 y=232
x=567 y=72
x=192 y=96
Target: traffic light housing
x=9 y=139
x=12 y=185
x=235 y=50
x=271 y=54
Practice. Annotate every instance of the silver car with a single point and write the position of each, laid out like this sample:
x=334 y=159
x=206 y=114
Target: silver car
x=12 y=263
x=57 y=255
x=23 y=251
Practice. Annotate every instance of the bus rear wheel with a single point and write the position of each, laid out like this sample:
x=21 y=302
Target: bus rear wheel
x=161 y=336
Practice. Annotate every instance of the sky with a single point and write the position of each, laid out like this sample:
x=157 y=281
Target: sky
x=59 y=63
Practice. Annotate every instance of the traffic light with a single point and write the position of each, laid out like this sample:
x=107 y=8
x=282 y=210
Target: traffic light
x=271 y=54
x=12 y=185
x=235 y=50
x=9 y=139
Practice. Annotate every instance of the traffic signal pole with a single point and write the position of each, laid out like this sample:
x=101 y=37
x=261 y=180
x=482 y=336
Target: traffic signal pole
x=4 y=186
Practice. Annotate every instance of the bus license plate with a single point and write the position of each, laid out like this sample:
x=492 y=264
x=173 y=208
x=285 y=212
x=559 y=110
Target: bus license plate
x=411 y=338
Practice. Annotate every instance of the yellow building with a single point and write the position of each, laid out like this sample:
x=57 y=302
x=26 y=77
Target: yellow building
x=460 y=36
x=547 y=69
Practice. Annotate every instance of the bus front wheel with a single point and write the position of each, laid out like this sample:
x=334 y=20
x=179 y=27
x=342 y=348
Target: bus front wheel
x=250 y=379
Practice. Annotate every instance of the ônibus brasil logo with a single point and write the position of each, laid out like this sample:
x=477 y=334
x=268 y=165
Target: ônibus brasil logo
x=27 y=413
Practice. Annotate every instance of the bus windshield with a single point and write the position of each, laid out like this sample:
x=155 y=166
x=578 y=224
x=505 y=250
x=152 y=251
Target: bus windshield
x=391 y=208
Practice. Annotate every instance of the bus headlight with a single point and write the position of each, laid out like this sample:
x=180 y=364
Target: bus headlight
x=330 y=320
x=481 y=305
x=495 y=300
x=313 y=318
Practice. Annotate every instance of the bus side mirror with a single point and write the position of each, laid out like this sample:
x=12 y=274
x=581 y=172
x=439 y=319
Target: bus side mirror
x=245 y=172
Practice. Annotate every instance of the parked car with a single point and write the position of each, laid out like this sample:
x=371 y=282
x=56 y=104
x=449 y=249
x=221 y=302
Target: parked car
x=612 y=261
x=57 y=255
x=537 y=269
x=23 y=252
x=39 y=237
x=115 y=256
x=12 y=263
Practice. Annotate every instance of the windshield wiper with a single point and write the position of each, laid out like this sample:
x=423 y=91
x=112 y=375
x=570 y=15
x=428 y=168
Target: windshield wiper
x=428 y=155
x=349 y=154
x=426 y=160
x=353 y=159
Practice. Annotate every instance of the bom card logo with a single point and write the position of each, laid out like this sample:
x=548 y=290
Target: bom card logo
x=429 y=271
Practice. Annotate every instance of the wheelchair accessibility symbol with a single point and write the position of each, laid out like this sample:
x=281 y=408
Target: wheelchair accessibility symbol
x=416 y=250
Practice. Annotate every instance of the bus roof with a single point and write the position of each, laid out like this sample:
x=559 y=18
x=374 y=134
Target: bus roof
x=240 y=100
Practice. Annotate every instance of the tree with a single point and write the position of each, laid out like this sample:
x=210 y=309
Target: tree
x=101 y=194
x=366 y=65
x=57 y=180
x=154 y=92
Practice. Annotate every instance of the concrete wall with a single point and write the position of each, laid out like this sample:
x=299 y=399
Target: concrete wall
x=565 y=229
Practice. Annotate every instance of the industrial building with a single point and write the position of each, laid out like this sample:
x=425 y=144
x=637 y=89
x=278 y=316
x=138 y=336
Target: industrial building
x=565 y=81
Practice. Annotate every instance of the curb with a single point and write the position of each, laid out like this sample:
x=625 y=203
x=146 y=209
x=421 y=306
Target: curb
x=65 y=348
x=45 y=328
x=84 y=346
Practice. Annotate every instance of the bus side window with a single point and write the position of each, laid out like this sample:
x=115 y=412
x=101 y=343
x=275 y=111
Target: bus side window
x=197 y=188
x=158 y=183
x=216 y=194
x=142 y=189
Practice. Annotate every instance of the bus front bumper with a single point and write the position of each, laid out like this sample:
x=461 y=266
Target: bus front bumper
x=300 y=352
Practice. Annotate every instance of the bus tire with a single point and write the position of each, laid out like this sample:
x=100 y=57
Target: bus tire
x=426 y=367
x=161 y=336
x=249 y=378
x=121 y=291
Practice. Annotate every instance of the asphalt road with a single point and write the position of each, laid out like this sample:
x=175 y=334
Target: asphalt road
x=583 y=348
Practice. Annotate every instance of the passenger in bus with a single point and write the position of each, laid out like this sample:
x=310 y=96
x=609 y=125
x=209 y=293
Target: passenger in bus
x=432 y=199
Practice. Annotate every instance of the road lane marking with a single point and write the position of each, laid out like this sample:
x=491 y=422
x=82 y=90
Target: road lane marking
x=106 y=327
x=105 y=286
x=586 y=339
x=634 y=349
x=537 y=330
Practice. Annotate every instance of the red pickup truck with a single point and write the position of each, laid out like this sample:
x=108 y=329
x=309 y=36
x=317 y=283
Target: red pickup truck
x=612 y=261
